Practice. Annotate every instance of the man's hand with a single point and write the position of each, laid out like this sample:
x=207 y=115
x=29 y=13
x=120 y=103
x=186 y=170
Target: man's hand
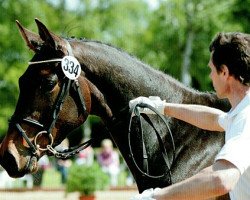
x=153 y=101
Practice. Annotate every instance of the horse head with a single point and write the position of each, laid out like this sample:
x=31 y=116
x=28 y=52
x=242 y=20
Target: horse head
x=48 y=103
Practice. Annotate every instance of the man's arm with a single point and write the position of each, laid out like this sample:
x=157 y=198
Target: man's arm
x=198 y=115
x=216 y=180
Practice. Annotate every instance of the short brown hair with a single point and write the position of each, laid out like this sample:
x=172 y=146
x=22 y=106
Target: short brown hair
x=232 y=50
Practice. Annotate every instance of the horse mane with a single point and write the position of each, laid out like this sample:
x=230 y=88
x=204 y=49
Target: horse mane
x=73 y=38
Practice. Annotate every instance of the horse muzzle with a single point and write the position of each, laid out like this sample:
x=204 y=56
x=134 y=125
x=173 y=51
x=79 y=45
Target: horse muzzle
x=18 y=167
x=15 y=158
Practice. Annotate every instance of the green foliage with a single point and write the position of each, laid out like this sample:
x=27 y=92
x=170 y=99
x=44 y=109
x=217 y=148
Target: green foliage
x=241 y=13
x=167 y=35
x=86 y=179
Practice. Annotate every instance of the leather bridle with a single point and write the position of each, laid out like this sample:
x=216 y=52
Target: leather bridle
x=145 y=168
x=67 y=85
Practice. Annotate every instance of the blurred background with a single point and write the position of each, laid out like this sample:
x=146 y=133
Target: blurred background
x=170 y=35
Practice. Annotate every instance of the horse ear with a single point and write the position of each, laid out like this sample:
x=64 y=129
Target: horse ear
x=48 y=37
x=32 y=40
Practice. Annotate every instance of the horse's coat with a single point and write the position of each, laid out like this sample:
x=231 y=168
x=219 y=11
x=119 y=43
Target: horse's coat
x=110 y=78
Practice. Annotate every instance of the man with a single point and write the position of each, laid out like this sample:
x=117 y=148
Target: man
x=230 y=173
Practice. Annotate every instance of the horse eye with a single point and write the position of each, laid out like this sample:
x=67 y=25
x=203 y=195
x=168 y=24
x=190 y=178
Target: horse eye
x=48 y=85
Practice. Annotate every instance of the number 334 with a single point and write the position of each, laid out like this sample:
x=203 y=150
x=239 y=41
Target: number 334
x=71 y=67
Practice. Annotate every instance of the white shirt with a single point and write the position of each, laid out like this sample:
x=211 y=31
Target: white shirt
x=236 y=150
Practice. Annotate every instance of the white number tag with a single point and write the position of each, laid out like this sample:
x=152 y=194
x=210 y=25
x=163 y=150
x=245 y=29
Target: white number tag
x=71 y=67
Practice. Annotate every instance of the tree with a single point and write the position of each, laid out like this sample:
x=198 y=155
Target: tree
x=179 y=34
x=241 y=13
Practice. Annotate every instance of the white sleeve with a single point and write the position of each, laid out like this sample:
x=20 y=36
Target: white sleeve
x=223 y=120
x=236 y=151
x=237 y=147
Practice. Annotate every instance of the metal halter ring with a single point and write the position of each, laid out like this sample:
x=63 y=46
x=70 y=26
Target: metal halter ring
x=38 y=135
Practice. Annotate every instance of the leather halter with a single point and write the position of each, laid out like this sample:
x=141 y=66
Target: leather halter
x=145 y=171
x=67 y=85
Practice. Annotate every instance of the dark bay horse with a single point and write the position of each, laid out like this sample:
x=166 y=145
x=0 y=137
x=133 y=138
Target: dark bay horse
x=50 y=106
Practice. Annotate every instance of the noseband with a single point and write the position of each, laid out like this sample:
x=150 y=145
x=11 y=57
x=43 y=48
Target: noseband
x=67 y=85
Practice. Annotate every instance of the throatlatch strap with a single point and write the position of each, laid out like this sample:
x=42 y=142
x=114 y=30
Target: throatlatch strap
x=80 y=97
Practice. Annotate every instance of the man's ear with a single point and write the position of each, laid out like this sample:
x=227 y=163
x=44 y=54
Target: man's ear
x=225 y=73
x=225 y=70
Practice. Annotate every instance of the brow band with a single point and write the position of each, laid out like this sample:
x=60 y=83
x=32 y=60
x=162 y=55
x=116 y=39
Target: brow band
x=45 y=61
